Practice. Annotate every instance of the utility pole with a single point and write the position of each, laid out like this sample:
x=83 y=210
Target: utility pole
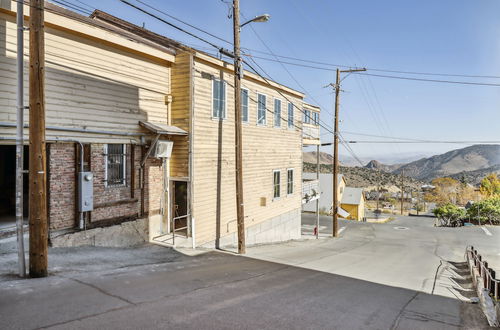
x=20 y=140
x=335 y=203
x=402 y=190
x=240 y=211
x=317 y=200
x=37 y=153
x=378 y=190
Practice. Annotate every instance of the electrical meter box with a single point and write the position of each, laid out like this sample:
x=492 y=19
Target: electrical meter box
x=86 y=191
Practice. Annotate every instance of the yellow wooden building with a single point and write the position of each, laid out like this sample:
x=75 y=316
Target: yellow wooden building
x=156 y=122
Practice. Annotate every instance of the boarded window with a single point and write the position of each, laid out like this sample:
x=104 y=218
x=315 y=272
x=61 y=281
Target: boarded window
x=277 y=113
x=276 y=184
x=289 y=182
x=290 y=115
x=261 y=109
x=219 y=99
x=244 y=105
x=115 y=155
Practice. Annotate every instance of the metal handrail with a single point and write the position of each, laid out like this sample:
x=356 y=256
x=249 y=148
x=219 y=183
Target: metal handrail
x=177 y=229
x=487 y=274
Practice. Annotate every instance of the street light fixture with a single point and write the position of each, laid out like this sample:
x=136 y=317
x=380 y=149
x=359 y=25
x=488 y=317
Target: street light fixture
x=240 y=211
x=257 y=19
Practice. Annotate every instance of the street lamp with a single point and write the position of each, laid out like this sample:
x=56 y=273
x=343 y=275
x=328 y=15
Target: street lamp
x=240 y=211
x=257 y=19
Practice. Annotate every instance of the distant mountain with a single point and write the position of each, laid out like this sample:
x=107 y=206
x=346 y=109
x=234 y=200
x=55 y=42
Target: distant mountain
x=310 y=157
x=475 y=177
x=362 y=177
x=473 y=158
x=376 y=165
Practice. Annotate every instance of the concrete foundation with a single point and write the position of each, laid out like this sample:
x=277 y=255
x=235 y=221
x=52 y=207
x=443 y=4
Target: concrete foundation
x=125 y=234
x=282 y=228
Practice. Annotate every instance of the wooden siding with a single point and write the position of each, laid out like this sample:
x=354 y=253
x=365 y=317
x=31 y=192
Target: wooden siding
x=265 y=149
x=89 y=85
x=180 y=114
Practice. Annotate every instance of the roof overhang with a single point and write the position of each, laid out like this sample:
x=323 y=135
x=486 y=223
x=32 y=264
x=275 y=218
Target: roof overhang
x=160 y=128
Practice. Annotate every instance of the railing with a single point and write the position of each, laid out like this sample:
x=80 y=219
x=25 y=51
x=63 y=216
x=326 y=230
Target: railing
x=488 y=275
x=310 y=132
x=174 y=229
x=310 y=190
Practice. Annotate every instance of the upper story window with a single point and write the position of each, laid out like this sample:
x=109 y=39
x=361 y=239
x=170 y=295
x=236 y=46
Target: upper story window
x=277 y=113
x=307 y=117
x=261 y=109
x=315 y=118
x=276 y=183
x=289 y=181
x=218 y=99
x=115 y=156
x=290 y=115
x=244 y=105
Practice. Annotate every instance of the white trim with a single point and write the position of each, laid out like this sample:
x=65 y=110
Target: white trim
x=279 y=183
x=212 y=99
x=265 y=110
x=293 y=181
x=274 y=112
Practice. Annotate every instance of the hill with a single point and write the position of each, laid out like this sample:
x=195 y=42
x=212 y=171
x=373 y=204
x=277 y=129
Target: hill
x=473 y=158
x=475 y=177
x=376 y=165
x=361 y=177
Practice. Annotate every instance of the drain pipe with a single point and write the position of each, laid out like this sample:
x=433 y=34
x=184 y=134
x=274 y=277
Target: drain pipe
x=20 y=139
x=81 y=222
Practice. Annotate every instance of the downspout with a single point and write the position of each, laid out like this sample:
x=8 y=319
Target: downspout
x=81 y=222
x=20 y=139
x=191 y=151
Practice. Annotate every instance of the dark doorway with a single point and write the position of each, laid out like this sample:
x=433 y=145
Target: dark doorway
x=180 y=205
x=8 y=185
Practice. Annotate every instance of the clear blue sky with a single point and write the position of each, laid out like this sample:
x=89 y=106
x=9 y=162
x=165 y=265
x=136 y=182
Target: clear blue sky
x=445 y=36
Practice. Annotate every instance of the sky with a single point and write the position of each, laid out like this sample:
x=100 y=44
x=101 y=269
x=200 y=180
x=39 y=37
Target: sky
x=447 y=36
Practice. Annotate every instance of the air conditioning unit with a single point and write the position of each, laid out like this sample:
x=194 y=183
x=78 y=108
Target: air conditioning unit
x=163 y=149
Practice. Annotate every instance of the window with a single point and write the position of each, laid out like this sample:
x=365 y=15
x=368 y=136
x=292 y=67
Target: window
x=244 y=105
x=289 y=181
x=315 y=118
x=115 y=158
x=307 y=116
x=277 y=113
x=276 y=184
x=290 y=115
x=261 y=109
x=219 y=99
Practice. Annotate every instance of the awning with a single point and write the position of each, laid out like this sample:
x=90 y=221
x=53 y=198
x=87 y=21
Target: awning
x=160 y=128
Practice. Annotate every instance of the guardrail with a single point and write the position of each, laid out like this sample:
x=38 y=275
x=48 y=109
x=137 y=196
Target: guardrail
x=488 y=275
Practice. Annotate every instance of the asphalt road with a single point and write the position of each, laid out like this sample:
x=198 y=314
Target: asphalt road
x=405 y=252
x=303 y=288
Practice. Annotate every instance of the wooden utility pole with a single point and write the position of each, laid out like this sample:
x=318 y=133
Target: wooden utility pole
x=240 y=210
x=335 y=202
x=335 y=206
x=318 y=168
x=37 y=155
x=402 y=190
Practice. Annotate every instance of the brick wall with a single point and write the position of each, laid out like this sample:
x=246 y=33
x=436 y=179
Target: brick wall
x=62 y=186
x=110 y=203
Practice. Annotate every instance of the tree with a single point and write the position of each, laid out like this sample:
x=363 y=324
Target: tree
x=449 y=214
x=487 y=210
x=444 y=192
x=490 y=185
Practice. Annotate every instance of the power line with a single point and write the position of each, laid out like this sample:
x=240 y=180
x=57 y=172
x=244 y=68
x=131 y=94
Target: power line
x=382 y=76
